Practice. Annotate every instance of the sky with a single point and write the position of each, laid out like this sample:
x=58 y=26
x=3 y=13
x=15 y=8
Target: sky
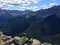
x=22 y=5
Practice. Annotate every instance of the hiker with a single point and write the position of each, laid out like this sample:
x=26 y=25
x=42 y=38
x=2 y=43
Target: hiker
x=21 y=40
x=24 y=38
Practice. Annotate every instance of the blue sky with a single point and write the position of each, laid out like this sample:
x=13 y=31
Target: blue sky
x=22 y=5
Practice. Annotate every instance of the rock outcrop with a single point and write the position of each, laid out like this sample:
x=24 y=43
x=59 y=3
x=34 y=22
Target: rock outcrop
x=8 y=40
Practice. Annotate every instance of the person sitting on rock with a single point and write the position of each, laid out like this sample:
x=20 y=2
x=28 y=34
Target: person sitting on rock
x=24 y=38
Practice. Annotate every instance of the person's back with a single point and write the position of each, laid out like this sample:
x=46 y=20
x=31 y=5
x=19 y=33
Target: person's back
x=24 y=39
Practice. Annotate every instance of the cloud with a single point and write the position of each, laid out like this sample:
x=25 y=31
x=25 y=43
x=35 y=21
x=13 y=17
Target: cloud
x=48 y=6
x=24 y=5
x=44 y=6
x=52 y=4
x=8 y=4
x=18 y=2
x=34 y=8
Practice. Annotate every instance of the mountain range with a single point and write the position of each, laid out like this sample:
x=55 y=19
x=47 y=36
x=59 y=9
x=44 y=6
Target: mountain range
x=9 y=14
x=43 y=24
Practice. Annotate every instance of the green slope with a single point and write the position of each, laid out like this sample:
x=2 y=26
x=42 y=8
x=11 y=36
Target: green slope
x=45 y=30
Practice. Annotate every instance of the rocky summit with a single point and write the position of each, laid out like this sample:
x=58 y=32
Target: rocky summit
x=18 y=40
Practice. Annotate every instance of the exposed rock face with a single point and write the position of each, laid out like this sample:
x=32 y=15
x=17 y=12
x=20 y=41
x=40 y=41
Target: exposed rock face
x=8 y=40
x=18 y=40
x=36 y=42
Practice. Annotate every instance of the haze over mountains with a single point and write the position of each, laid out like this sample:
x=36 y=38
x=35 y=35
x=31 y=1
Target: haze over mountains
x=8 y=14
x=43 y=24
